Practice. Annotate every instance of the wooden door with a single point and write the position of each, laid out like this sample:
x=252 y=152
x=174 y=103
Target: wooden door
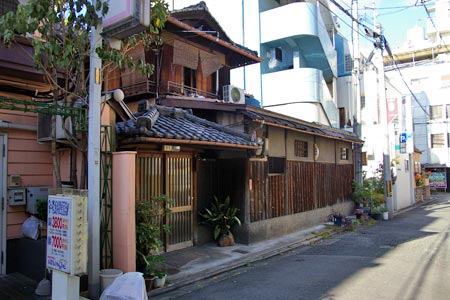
x=172 y=175
x=179 y=186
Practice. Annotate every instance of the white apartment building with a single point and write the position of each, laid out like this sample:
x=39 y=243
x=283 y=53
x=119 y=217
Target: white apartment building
x=422 y=72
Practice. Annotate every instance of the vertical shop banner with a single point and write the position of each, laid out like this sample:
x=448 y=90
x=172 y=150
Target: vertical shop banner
x=391 y=109
x=406 y=126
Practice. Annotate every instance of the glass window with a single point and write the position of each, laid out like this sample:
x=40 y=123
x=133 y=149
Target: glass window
x=436 y=112
x=348 y=63
x=437 y=140
x=448 y=111
x=277 y=165
x=344 y=153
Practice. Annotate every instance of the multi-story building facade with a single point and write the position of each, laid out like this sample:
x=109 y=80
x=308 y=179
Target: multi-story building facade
x=304 y=56
x=421 y=72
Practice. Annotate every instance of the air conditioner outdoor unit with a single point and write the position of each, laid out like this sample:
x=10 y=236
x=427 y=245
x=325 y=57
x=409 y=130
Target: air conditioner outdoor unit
x=233 y=94
x=44 y=128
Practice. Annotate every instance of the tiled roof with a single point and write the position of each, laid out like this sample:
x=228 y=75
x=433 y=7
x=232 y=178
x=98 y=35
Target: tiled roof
x=315 y=129
x=177 y=124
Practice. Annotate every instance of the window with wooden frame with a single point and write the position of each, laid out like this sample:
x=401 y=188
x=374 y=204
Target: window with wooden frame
x=300 y=148
x=344 y=153
x=277 y=165
x=437 y=140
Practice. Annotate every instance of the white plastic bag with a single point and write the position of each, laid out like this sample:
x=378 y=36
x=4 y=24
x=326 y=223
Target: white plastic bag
x=30 y=228
x=129 y=286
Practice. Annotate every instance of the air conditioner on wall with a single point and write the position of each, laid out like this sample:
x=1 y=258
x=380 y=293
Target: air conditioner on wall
x=44 y=128
x=232 y=94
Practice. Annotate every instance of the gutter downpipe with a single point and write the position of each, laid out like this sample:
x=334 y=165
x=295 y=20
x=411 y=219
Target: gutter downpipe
x=7 y=125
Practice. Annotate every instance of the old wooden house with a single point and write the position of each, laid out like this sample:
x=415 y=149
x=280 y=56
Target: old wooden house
x=284 y=175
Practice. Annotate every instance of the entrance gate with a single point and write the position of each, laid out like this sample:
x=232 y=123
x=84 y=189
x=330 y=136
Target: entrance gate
x=172 y=175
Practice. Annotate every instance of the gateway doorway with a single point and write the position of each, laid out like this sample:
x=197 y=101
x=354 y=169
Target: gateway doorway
x=172 y=175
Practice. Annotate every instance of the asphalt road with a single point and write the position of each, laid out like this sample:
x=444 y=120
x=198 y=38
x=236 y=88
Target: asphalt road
x=406 y=258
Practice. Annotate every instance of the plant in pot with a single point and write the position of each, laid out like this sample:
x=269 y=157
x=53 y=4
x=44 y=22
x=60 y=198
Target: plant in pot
x=151 y=228
x=221 y=216
x=41 y=214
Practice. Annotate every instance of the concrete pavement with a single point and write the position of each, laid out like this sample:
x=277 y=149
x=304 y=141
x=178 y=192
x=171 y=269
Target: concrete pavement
x=191 y=265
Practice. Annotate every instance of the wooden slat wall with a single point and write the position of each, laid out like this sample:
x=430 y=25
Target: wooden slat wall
x=325 y=184
x=344 y=178
x=277 y=196
x=258 y=173
x=301 y=186
x=310 y=185
x=149 y=176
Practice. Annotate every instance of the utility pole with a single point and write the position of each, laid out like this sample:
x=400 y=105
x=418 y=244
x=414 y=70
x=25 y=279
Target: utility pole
x=357 y=90
x=385 y=123
x=94 y=163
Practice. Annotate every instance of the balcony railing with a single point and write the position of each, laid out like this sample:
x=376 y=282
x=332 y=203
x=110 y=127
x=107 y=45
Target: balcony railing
x=149 y=87
x=173 y=88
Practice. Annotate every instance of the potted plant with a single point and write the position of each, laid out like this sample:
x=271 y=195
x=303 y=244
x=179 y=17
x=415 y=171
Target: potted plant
x=221 y=216
x=151 y=217
x=41 y=214
x=336 y=218
x=384 y=212
x=155 y=270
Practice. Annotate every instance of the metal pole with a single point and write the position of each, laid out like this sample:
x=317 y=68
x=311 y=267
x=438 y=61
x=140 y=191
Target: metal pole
x=357 y=100
x=386 y=145
x=94 y=164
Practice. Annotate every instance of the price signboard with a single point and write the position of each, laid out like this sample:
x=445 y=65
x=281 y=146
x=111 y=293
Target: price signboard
x=66 y=234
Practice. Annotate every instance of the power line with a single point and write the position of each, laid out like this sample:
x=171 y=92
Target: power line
x=343 y=21
x=409 y=89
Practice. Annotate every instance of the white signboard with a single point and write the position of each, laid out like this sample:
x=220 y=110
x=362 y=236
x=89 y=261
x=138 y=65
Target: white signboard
x=66 y=234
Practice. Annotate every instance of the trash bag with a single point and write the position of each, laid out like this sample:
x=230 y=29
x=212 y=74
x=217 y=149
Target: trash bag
x=129 y=286
x=30 y=228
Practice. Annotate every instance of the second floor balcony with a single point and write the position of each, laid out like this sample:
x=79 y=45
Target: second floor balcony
x=302 y=86
x=299 y=27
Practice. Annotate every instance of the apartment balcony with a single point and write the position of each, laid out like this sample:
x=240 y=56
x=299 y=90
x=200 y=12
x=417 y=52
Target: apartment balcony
x=299 y=27
x=300 y=93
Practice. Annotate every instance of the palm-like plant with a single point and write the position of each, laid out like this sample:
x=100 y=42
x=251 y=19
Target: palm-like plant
x=221 y=216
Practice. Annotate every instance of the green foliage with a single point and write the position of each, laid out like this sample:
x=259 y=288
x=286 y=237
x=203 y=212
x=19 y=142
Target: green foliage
x=150 y=227
x=379 y=209
x=150 y=216
x=60 y=31
x=371 y=192
x=41 y=208
x=221 y=216
x=155 y=265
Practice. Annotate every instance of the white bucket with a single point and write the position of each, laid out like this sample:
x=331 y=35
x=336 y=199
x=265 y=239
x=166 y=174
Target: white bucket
x=107 y=277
